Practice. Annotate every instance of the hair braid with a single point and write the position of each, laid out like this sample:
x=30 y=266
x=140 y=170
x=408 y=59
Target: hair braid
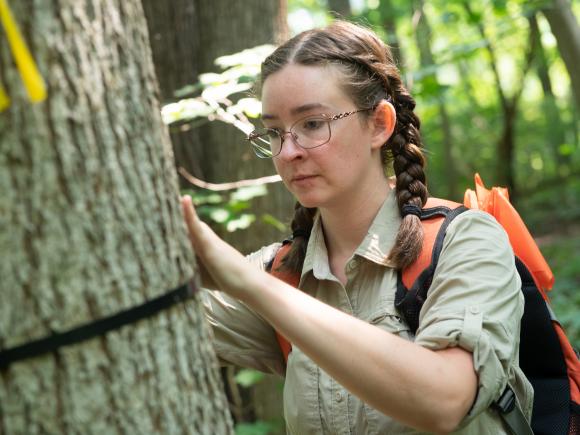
x=301 y=224
x=408 y=163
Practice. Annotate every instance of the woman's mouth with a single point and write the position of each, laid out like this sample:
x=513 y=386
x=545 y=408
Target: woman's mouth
x=302 y=180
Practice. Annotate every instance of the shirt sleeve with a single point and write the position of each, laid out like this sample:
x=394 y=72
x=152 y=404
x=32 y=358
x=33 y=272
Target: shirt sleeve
x=475 y=303
x=241 y=336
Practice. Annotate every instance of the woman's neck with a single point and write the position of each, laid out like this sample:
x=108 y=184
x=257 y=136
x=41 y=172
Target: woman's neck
x=346 y=225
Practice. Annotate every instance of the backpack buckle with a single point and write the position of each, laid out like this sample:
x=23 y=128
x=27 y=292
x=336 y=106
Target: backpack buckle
x=507 y=401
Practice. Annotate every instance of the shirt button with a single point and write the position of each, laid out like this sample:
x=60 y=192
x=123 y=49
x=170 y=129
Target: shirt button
x=474 y=310
x=351 y=265
x=339 y=396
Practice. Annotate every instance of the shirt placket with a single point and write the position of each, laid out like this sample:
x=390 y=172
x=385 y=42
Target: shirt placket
x=340 y=397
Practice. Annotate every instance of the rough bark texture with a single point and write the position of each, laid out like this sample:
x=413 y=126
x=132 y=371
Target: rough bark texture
x=91 y=225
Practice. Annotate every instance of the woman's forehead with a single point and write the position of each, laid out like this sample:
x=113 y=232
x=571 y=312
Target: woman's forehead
x=299 y=88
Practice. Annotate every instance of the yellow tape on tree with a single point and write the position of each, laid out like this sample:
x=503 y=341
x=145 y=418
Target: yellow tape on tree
x=32 y=79
x=4 y=100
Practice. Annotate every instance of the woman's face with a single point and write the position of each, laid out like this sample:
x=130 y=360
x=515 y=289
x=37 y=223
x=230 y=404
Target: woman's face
x=332 y=173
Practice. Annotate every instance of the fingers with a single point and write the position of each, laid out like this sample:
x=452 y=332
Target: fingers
x=191 y=219
x=195 y=227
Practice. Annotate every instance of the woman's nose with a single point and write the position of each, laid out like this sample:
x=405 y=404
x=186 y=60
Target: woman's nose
x=290 y=148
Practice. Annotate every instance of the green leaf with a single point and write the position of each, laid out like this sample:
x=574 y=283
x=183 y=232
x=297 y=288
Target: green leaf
x=249 y=192
x=250 y=56
x=271 y=220
x=222 y=91
x=240 y=223
x=256 y=428
x=252 y=107
x=185 y=109
x=248 y=377
x=566 y=149
x=219 y=215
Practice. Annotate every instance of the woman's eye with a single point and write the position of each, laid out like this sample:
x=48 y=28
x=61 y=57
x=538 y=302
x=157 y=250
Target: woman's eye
x=312 y=124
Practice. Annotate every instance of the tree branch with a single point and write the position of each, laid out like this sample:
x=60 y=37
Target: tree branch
x=227 y=186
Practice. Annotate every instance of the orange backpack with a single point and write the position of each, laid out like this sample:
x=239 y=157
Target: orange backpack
x=546 y=356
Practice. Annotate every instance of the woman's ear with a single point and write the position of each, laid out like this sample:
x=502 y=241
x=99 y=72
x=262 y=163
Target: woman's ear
x=384 y=121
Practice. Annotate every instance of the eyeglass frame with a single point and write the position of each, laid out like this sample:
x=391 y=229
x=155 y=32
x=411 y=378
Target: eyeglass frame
x=282 y=134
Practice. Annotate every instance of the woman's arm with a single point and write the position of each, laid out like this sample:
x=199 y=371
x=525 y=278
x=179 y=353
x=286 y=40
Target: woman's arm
x=429 y=390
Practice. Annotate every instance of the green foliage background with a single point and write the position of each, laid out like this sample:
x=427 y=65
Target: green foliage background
x=546 y=163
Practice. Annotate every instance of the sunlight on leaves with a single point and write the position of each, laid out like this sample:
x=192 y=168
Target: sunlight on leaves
x=240 y=223
x=248 y=377
x=249 y=192
x=250 y=56
x=219 y=215
x=188 y=108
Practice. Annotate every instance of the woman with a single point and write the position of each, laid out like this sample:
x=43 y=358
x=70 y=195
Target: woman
x=335 y=116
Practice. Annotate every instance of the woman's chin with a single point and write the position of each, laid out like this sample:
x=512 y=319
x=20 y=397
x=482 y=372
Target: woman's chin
x=309 y=201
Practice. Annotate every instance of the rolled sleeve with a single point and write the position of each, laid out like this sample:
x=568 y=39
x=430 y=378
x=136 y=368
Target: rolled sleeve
x=241 y=336
x=475 y=303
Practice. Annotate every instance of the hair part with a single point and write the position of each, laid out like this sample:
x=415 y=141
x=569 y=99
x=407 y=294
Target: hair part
x=368 y=75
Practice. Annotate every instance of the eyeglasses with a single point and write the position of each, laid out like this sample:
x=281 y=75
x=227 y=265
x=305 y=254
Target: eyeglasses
x=309 y=132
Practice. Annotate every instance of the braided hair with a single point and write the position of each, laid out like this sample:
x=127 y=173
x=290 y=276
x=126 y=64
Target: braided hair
x=369 y=77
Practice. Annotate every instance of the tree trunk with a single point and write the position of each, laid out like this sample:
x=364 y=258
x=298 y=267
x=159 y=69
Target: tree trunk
x=218 y=152
x=228 y=27
x=173 y=36
x=340 y=7
x=555 y=131
x=91 y=201
x=389 y=16
x=565 y=28
x=423 y=37
x=505 y=149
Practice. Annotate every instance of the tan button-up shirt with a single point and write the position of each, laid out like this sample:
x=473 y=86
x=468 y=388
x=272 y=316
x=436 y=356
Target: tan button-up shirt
x=474 y=302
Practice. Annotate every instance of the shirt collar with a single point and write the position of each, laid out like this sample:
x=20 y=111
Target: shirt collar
x=375 y=247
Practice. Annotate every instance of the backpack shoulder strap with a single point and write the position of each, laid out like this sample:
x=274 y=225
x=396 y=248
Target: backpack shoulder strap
x=415 y=280
x=290 y=278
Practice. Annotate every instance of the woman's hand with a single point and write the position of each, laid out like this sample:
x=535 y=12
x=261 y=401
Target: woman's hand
x=223 y=267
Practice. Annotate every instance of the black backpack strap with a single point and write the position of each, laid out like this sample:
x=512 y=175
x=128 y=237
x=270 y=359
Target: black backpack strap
x=409 y=301
x=512 y=414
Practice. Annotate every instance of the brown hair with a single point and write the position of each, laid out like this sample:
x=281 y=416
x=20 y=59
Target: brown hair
x=370 y=76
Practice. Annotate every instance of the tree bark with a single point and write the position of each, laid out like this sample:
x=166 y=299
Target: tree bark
x=564 y=26
x=91 y=203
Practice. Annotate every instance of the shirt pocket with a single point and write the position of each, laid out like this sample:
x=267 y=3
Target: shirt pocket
x=388 y=319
